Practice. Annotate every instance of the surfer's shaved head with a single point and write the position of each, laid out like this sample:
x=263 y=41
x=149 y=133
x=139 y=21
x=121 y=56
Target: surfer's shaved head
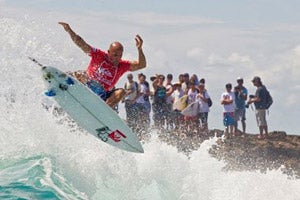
x=115 y=52
x=116 y=46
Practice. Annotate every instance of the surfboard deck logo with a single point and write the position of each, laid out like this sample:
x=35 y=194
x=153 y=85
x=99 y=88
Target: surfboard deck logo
x=104 y=133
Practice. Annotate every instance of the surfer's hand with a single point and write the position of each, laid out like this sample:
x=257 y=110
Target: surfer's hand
x=139 y=42
x=65 y=25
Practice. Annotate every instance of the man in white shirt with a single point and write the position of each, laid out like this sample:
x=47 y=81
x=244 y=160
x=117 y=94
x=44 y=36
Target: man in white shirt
x=228 y=102
x=131 y=88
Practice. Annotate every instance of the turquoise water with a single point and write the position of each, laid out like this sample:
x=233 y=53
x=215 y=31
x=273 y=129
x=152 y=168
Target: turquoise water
x=47 y=157
x=34 y=178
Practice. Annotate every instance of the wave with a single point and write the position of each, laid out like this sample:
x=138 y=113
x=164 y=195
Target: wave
x=34 y=178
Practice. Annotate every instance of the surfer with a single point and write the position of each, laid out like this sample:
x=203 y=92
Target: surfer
x=106 y=68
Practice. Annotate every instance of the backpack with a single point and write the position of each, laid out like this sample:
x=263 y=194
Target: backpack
x=209 y=102
x=269 y=99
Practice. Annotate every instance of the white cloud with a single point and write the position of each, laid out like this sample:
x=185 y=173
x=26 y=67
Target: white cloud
x=154 y=19
x=237 y=58
x=195 y=53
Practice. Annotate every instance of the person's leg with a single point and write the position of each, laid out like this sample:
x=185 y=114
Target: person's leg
x=80 y=75
x=115 y=97
x=244 y=125
x=225 y=122
x=236 y=118
x=266 y=131
x=260 y=136
x=264 y=123
x=260 y=114
x=244 y=120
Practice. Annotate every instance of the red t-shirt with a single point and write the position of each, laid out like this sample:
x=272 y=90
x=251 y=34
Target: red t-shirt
x=103 y=71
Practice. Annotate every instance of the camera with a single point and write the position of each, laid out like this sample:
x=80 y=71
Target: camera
x=250 y=96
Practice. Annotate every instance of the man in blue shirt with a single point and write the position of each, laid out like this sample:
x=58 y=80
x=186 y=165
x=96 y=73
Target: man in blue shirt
x=241 y=94
x=260 y=103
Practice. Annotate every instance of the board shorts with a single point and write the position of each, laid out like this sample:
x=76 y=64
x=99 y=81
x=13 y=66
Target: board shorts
x=261 y=117
x=228 y=119
x=98 y=89
x=240 y=114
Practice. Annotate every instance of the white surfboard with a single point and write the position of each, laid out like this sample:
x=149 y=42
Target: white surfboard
x=89 y=110
x=181 y=103
x=191 y=110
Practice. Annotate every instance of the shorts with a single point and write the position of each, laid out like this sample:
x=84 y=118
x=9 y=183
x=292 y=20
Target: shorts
x=98 y=89
x=261 y=117
x=228 y=119
x=240 y=114
x=191 y=118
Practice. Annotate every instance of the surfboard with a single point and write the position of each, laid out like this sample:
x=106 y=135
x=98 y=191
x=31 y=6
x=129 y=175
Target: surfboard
x=181 y=103
x=89 y=111
x=191 y=110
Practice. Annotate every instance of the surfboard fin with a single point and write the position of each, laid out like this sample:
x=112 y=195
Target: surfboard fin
x=50 y=93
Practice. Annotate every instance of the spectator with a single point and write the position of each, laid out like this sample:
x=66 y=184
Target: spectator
x=146 y=97
x=141 y=117
x=169 y=88
x=176 y=114
x=241 y=94
x=192 y=122
x=131 y=88
x=159 y=104
x=227 y=100
x=203 y=98
x=260 y=103
x=185 y=84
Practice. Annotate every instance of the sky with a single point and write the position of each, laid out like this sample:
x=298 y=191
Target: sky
x=217 y=40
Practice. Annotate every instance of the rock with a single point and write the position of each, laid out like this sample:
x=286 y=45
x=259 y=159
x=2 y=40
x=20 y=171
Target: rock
x=246 y=151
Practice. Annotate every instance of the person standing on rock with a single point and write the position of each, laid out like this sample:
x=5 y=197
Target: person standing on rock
x=241 y=94
x=260 y=103
x=227 y=100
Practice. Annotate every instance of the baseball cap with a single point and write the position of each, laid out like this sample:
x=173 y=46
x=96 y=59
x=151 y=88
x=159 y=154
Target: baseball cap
x=256 y=78
x=177 y=84
x=201 y=84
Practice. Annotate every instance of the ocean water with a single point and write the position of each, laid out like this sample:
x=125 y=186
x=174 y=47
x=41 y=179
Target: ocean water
x=46 y=157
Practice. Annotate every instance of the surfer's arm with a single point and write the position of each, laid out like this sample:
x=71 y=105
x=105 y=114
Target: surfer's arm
x=76 y=38
x=141 y=62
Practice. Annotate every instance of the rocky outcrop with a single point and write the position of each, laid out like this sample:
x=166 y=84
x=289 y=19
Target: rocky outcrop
x=245 y=151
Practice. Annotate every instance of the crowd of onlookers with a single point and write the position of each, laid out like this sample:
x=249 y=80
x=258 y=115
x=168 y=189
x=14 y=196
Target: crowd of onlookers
x=168 y=99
